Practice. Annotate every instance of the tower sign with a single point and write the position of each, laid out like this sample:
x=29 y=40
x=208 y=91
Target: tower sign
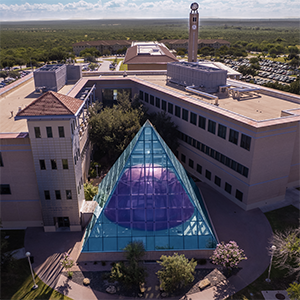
x=193 y=33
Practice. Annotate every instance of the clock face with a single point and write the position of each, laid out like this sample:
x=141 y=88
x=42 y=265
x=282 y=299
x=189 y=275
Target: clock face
x=194 y=27
x=194 y=6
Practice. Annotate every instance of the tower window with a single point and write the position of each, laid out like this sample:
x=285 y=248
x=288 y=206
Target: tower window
x=217 y=181
x=222 y=131
x=193 y=118
x=245 y=142
x=47 y=195
x=191 y=163
x=53 y=164
x=228 y=187
x=170 y=108
x=65 y=164
x=49 y=132
x=146 y=97
x=42 y=164
x=69 y=194
x=211 y=126
x=239 y=195
x=151 y=99
x=163 y=105
x=185 y=114
x=177 y=111
x=61 y=132
x=202 y=122
x=57 y=195
x=1 y=160
x=208 y=174
x=37 y=132
x=199 y=169
x=157 y=102
x=5 y=189
x=233 y=136
x=183 y=158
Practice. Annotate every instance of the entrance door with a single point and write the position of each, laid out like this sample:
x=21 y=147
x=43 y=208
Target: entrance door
x=63 y=222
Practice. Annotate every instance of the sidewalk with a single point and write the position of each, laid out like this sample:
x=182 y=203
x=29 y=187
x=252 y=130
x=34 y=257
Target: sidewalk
x=251 y=230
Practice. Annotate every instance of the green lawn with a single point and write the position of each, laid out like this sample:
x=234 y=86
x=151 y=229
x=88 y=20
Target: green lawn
x=123 y=67
x=16 y=279
x=280 y=219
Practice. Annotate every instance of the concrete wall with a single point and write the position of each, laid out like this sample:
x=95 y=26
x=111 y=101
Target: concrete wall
x=22 y=207
x=133 y=67
x=74 y=73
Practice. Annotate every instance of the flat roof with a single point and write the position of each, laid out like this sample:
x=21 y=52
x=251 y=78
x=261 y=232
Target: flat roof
x=17 y=99
x=257 y=107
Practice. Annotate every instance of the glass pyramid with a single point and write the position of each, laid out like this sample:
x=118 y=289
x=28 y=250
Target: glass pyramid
x=148 y=196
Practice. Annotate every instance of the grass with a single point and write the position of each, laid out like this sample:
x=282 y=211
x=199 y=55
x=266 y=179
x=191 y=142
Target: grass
x=16 y=279
x=16 y=283
x=123 y=67
x=280 y=219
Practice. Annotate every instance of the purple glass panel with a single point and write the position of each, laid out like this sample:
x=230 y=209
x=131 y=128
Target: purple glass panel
x=143 y=188
x=123 y=215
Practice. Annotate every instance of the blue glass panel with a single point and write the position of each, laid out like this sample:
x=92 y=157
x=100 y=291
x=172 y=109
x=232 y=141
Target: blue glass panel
x=161 y=243
x=110 y=244
x=95 y=244
x=160 y=201
x=123 y=215
x=109 y=230
x=150 y=243
x=123 y=242
x=124 y=229
x=190 y=242
x=176 y=242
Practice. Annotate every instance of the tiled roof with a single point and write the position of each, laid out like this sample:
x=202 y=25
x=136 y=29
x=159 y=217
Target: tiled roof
x=103 y=43
x=51 y=103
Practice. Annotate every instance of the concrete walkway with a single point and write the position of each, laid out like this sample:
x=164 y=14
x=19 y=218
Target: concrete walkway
x=251 y=230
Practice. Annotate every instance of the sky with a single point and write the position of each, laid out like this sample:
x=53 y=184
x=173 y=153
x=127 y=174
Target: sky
x=18 y=10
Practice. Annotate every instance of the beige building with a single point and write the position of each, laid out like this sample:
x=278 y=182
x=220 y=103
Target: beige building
x=148 y=56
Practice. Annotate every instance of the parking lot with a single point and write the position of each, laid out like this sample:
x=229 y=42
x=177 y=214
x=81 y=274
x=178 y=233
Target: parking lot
x=270 y=71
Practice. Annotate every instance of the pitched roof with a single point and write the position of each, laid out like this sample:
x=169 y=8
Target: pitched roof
x=162 y=56
x=51 y=103
x=148 y=196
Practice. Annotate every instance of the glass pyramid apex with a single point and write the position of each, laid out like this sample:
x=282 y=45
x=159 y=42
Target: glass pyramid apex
x=148 y=196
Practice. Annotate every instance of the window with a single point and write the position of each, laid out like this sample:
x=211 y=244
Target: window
x=177 y=111
x=1 y=160
x=202 y=122
x=53 y=164
x=72 y=130
x=163 y=105
x=157 y=102
x=191 y=163
x=141 y=95
x=233 y=136
x=183 y=158
x=170 y=108
x=69 y=194
x=151 y=99
x=193 y=118
x=5 y=189
x=208 y=174
x=42 y=164
x=245 y=142
x=49 y=132
x=239 y=195
x=57 y=195
x=228 y=187
x=217 y=181
x=146 y=97
x=47 y=195
x=199 y=169
x=185 y=114
x=222 y=131
x=65 y=164
x=37 y=132
x=61 y=132
x=211 y=126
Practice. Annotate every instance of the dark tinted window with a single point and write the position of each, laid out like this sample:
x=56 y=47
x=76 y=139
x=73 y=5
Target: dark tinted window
x=211 y=126
x=233 y=136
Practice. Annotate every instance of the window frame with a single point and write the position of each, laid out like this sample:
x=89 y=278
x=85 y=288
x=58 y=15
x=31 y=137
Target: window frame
x=61 y=131
x=222 y=131
x=5 y=189
x=49 y=132
x=69 y=192
x=37 y=132
x=233 y=136
x=211 y=127
x=42 y=164
x=163 y=105
x=177 y=111
x=228 y=188
x=191 y=163
x=53 y=164
x=208 y=174
x=183 y=158
x=170 y=108
x=157 y=102
x=193 y=118
x=47 y=195
x=185 y=114
x=64 y=162
x=245 y=142
x=201 y=122
x=57 y=195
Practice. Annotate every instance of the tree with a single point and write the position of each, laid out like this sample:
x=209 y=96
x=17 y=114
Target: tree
x=166 y=128
x=130 y=273
x=90 y=191
x=112 y=129
x=177 y=271
x=294 y=291
x=287 y=252
x=228 y=255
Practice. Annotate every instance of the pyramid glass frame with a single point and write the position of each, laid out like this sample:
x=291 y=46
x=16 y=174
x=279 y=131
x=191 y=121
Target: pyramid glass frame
x=148 y=196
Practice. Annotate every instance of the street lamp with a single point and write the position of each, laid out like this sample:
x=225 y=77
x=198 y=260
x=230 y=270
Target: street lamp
x=273 y=248
x=35 y=286
x=97 y=171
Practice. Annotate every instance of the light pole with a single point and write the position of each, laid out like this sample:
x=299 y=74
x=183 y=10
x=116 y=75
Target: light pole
x=273 y=248
x=97 y=171
x=35 y=286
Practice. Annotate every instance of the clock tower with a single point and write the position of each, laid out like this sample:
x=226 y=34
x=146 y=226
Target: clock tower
x=193 y=37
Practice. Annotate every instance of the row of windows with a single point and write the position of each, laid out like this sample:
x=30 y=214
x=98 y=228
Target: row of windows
x=230 y=163
x=53 y=162
x=57 y=194
x=37 y=132
x=211 y=125
x=217 y=180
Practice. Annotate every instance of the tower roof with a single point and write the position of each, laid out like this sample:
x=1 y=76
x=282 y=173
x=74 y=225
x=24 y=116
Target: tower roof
x=148 y=196
x=51 y=103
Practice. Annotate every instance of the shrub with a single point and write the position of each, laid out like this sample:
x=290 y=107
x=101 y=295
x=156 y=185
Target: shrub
x=228 y=255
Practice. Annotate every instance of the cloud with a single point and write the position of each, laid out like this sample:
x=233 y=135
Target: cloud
x=112 y=9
